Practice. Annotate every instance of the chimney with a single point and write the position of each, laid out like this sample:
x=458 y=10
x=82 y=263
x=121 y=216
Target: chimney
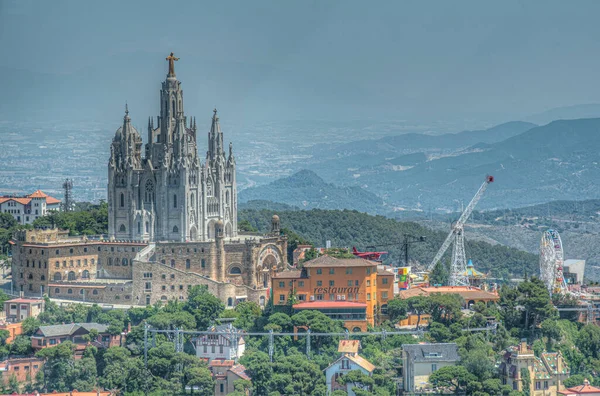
x=523 y=346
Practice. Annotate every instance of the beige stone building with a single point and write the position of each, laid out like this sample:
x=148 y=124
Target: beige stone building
x=48 y=262
x=546 y=373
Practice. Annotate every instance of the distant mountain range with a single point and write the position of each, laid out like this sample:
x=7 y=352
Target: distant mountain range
x=531 y=164
x=590 y=110
x=306 y=190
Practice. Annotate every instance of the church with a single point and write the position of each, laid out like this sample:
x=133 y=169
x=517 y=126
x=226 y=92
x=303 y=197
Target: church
x=168 y=193
x=172 y=225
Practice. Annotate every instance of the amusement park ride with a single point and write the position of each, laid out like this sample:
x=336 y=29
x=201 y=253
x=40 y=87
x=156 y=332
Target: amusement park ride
x=551 y=263
x=458 y=270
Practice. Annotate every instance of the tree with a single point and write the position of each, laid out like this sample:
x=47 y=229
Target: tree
x=534 y=296
x=397 y=309
x=201 y=381
x=440 y=274
x=574 y=380
x=21 y=346
x=454 y=377
x=30 y=325
x=419 y=305
x=59 y=366
x=357 y=379
x=204 y=306
x=588 y=341
x=248 y=312
x=259 y=368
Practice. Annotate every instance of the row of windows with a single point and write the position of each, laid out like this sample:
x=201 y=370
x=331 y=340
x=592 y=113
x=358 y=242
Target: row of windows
x=33 y=264
x=71 y=275
x=124 y=262
x=85 y=250
x=188 y=264
x=333 y=297
x=72 y=263
x=180 y=250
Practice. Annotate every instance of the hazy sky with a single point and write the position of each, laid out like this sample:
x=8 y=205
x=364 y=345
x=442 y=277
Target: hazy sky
x=274 y=59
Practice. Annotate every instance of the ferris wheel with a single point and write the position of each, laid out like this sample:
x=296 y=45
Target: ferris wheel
x=551 y=262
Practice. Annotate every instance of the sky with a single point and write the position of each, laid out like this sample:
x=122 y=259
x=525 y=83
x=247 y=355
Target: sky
x=305 y=60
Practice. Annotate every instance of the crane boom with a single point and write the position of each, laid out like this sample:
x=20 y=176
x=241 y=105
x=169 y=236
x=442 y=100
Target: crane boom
x=461 y=221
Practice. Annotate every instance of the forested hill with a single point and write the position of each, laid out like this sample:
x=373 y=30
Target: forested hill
x=345 y=228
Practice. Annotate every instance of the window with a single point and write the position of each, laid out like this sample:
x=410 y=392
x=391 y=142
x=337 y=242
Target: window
x=52 y=341
x=300 y=283
x=302 y=297
x=85 y=274
x=538 y=385
x=515 y=385
x=221 y=388
x=545 y=384
x=175 y=230
x=319 y=297
x=230 y=302
x=368 y=271
x=368 y=296
x=319 y=283
x=139 y=225
x=348 y=271
x=235 y=271
x=79 y=263
x=345 y=364
x=172 y=287
x=332 y=297
x=122 y=200
x=331 y=271
x=356 y=283
x=43 y=277
x=175 y=200
x=384 y=281
x=148 y=285
x=187 y=264
x=331 y=283
x=433 y=368
x=57 y=265
x=319 y=271
x=350 y=283
x=125 y=262
x=57 y=291
x=281 y=284
x=81 y=291
x=384 y=295
x=69 y=291
x=163 y=288
x=57 y=252
x=172 y=263
x=95 y=292
x=368 y=282
x=172 y=276
x=57 y=276
x=349 y=296
x=203 y=263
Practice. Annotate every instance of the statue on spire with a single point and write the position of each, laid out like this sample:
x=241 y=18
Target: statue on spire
x=171 y=58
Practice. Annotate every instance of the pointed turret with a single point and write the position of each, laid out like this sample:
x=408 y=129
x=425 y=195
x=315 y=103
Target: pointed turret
x=215 y=138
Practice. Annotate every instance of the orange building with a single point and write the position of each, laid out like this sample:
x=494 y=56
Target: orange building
x=352 y=290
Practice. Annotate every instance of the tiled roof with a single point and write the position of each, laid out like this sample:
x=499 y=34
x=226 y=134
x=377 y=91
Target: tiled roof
x=221 y=363
x=381 y=271
x=21 y=200
x=328 y=261
x=68 y=329
x=362 y=362
x=288 y=274
x=540 y=371
x=52 y=200
x=24 y=300
x=240 y=371
x=430 y=353
x=38 y=194
x=584 y=389
x=348 y=346
x=466 y=292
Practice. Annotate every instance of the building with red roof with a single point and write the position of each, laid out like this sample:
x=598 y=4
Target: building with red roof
x=28 y=208
x=585 y=389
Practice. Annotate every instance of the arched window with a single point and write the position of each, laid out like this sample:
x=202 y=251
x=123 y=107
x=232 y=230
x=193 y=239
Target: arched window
x=30 y=276
x=85 y=262
x=147 y=227
x=139 y=227
x=95 y=292
x=57 y=265
x=174 y=200
x=163 y=298
x=192 y=199
x=125 y=262
x=122 y=200
x=57 y=291
x=70 y=291
x=172 y=263
x=71 y=275
x=227 y=197
x=175 y=229
x=85 y=274
x=187 y=264
x=81 y=291
x=43 y=277
x=110 y=261
x=203 y=263
x=235 y=271
x=122 y=228
x=57 y=276
x=230 y=302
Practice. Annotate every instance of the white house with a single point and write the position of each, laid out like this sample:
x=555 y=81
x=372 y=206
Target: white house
x=226 y=344
x=28 y=208
x=420 y=360
x=349 y=360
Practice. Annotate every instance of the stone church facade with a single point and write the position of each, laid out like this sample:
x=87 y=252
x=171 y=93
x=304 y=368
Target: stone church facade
x=172 y=224
x=168 y=193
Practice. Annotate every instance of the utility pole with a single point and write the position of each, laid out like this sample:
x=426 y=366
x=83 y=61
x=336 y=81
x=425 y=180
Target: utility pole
x=68 y=197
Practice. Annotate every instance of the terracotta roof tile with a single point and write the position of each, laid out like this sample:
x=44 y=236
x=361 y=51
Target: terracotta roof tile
x=328 y=261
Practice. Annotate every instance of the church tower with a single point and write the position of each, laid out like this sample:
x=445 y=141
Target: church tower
x=169 y=195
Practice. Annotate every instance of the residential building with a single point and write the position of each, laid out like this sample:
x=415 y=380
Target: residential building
x=585 y=389
x=470 y=294
x=573 y=271
x=24 y=369
x=349 y=360
x=14 y=329
x=226 y=344
x=546 y=372
x=353 y=290
x=49 y=336
x=225 y=373
x=28 y=208
x=421 y=360
x=19 y=309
